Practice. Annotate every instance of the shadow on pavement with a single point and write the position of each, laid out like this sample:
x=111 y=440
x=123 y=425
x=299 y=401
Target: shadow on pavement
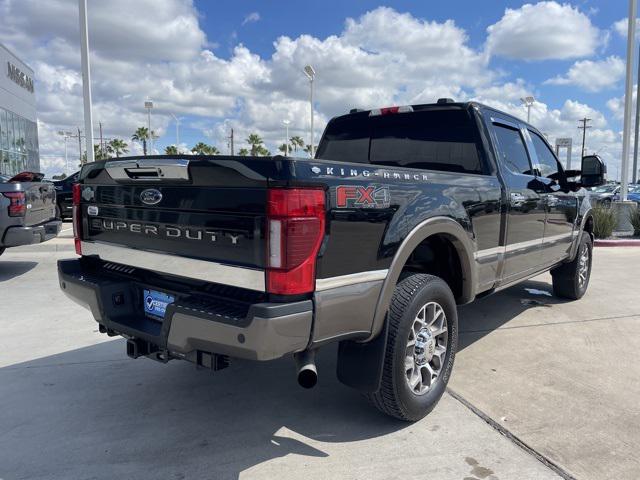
x=488 y=314
x=94 y=413
x=10 y=269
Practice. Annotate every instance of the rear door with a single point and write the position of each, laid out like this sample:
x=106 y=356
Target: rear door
x=561 y=205
x=525 y=216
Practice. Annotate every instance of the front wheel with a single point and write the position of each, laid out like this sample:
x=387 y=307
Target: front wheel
x=420 y=350
x=571 y=280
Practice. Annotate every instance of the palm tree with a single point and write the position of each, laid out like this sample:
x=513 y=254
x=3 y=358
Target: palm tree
x=285 y=149
x=117 y=146
x=171 y=150
x=203 y=149
x=141 y=135
x=255 y=141
x=243 y=152
x=307 y=149
x=297 y=142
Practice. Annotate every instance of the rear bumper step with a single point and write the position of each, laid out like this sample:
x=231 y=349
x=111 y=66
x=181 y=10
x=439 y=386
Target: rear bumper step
x=193 y=328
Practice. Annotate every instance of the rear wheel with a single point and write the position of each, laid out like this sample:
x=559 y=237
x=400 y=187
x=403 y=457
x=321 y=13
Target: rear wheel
x=571 y=280
x=421 y=346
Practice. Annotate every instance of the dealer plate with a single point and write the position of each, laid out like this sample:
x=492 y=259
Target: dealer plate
x=155 y=303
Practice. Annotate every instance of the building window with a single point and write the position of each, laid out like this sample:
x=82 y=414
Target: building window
x=18 y=144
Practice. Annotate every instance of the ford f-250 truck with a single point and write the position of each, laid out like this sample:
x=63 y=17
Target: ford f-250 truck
x=404 y=213
x=27 y=211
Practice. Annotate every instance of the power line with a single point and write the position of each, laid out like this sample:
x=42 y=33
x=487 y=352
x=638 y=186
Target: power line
x=584 y=127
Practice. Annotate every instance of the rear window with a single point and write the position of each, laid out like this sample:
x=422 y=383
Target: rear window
x=429 y=139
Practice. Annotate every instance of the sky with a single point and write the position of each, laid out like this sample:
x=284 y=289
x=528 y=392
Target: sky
x=223 y=64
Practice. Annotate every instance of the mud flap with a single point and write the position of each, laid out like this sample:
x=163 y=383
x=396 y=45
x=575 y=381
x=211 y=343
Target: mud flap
x=360 y=364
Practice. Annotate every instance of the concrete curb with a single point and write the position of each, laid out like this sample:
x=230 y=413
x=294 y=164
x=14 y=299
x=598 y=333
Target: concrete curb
x=618 y=243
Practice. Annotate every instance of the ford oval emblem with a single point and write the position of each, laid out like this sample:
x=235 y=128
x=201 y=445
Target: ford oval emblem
x=151 y=196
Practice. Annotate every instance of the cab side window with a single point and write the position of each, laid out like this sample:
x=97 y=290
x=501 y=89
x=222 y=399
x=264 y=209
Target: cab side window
x=547 y=164
x=513 y=152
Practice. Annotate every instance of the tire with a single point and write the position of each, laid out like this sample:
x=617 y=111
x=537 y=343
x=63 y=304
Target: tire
x=59 y=212
x=396 y=397
x=571 y=280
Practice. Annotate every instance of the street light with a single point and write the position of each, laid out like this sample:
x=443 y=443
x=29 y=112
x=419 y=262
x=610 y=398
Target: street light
x=66 y=135
x=148 y=104
x=528 y=101
x=311 y=73
x=86 y=78
x=286 y=138
x=177 y=131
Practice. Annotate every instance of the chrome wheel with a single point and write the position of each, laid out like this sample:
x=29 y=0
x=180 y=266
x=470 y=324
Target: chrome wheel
x=426 y=348
x=583 y=266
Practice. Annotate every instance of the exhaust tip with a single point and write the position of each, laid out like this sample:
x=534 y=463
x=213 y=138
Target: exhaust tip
x=308 y=377
x=306 y=366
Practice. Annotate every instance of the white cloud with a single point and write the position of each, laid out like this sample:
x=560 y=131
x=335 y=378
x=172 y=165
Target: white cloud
x=546 y=30
x=251 y=18
x=621 y=27
x=592 y=76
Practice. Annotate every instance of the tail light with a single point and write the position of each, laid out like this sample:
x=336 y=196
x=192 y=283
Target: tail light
x=390 y=110
x=295 y=221
x=77 y=225
x=17 y=203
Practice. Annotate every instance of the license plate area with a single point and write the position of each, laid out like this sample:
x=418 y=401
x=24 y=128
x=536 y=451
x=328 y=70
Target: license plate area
x=155 y=303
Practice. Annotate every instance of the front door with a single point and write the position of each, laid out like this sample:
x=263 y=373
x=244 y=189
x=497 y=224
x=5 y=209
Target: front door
x=561 y=205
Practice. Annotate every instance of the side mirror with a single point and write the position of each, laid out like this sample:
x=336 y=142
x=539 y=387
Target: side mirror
x=593 y=171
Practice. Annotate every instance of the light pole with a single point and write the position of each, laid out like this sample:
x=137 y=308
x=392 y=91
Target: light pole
x=527 y=102
x=148 y=104
x=177 y=131
x=311 y=73
x=86 y=78
x=626 y=132
x=286 y=138
x=66 y=136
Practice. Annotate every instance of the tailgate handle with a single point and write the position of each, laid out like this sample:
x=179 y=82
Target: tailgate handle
x=140 y=173
x=149 y=169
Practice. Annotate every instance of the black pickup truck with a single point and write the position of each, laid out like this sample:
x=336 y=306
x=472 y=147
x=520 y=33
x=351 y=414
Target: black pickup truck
x=404 y=213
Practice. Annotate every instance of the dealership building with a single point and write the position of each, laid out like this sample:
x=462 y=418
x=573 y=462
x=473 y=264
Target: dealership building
x=18 y=125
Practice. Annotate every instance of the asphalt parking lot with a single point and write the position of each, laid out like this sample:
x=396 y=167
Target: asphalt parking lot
x=541 y=389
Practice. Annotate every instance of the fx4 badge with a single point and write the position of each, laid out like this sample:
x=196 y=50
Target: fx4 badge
x=353 y=196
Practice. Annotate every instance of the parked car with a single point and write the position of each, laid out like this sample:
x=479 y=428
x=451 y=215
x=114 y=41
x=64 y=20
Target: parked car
x=404 y=213
x=604 y=194
x=64 y=195
x=27 y=211
x=633 y=194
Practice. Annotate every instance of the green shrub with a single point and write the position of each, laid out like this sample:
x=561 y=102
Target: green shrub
x=634 y=218
x=604 y=221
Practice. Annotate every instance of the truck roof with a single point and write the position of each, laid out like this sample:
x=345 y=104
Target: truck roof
x=441 y=104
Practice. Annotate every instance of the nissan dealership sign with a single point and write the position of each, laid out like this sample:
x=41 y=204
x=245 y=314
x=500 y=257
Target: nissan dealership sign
x=19 y=77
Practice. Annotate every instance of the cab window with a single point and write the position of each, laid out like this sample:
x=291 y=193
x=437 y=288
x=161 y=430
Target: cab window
x=547 y=165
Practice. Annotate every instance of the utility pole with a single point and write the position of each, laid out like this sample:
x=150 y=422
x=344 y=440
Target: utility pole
x=635 y=143
x=231 y=140
x=80 y=145
x=101 y=141
x=584 y=127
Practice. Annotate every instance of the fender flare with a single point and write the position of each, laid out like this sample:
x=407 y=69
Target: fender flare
x=585 y=218
x=464 y=245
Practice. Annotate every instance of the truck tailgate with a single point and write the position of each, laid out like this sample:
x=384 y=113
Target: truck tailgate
x=199 y=209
